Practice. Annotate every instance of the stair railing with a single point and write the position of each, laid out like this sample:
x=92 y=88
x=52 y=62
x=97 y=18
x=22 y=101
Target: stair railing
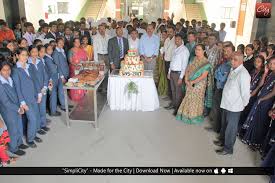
x=102 y=7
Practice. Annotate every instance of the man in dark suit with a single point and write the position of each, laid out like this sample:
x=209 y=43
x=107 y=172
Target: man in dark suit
x=84 y=32
x=68 y=39
x=52 y=33
x=117 y=49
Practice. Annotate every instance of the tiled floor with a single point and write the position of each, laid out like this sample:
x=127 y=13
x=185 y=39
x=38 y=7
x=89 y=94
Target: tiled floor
x=133 y=139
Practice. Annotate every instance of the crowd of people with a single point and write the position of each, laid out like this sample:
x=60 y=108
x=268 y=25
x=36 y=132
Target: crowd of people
x=194 y=68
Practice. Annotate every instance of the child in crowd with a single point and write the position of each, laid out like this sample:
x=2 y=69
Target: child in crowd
x=29 y=95
x=41 y=81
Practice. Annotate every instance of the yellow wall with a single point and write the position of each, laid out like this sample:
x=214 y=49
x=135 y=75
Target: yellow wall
x=2 y=12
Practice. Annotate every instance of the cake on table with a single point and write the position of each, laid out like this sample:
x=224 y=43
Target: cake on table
x=131 y=66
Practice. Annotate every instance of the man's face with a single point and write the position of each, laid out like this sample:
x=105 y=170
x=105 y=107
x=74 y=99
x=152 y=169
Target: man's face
x=236 y=61
x=101 y=30
x=178 y=27
x=61 y=28
x=54 y=28
x=150 y=30
x=211 y=40
x=191 y=38
x=68 y=31
x=134 y=35
x=82 y=26
x=170 y=33
x=119 y=32
x=178 y=41
x=227 y=53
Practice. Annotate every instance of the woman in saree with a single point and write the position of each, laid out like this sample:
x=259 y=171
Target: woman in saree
x=76 y=55
x=88 y=48
x=258 y=121
x=160 y=68
x=199 y=84
x=256 y=76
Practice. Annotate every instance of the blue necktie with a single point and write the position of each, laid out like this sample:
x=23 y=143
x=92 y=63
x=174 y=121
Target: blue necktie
x=120 y=48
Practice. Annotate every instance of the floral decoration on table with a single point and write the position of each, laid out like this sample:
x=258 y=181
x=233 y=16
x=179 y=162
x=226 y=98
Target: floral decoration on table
x=131 y=88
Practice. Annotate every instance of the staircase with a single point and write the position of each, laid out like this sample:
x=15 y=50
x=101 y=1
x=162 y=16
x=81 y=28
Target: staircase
x=195 y=11
x=93 y=8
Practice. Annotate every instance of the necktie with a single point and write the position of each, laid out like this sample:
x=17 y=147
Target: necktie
x=120 y=48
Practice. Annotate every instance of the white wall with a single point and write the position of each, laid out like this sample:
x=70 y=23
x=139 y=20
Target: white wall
x=110 y=9
x=36 y=9
x=178 y=8
x=2 y=12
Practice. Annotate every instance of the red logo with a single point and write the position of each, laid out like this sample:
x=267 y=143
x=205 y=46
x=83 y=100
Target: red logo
x=263 y=10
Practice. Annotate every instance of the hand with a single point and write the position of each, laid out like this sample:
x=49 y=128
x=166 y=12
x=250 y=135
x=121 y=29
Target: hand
x=25 y=107
x=180 y=82
x=21 y=110
x=113 y=67
x=39 y=100
x=168 y=76
x=266 y=69
x=63 y=80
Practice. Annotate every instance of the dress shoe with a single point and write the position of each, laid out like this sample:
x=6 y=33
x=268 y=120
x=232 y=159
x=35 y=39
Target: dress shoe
x=169 y=107
x=175 y=113
x=57 y=113
x=23 y=146
x=65 y=110
x=218 y=143
x=32 y=144
x=222 y=152
x=46 y=129
x=71 y=106
x=37 y=139
x=41 y=132
x=19 y=152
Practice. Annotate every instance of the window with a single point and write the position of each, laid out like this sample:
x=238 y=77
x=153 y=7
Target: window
x=63 y=7
x=227 y=12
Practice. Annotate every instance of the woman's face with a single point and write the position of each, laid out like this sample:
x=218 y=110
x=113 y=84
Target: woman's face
x=269 y=50
x=23 y=56
x=271 y=65
x=42 y=53
x=248 y=51
x=77 y=43
x=199 y=51
x=24 y=44
x=49 y=50
x=5 y=71
x=34 y=53
x=258 y=64
x=85 y=41
x=255 y=45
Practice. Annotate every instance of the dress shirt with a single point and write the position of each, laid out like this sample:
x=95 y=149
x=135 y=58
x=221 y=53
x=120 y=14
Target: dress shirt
x=149 y=46
x=19 y=65
x=100 y=45
x=169 y=47
x=221 y=74
x=179 y=60
x=30 y=37
x=222 y=35
x=4 y=81
x=133 y=44
x=236 y=92
x=214 y=55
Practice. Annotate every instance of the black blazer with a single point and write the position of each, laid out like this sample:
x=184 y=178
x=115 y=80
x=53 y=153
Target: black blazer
x=50 y=36
x=249 y=65
x=114 y=51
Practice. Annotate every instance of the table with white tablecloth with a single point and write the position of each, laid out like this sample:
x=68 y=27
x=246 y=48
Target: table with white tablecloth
x=146 y=98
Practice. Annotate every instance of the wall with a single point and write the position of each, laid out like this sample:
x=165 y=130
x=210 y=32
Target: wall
x=270 y=26
x=110 y=9
x=2 y=11
x=177 y=7
x=36 y=9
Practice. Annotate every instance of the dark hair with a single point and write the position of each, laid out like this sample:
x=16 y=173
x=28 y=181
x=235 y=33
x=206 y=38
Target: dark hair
x=40 y=47
x=36 y=41
x=4 y=63
x=262 y=59
x=271 y=58
x=82 y=38
x=241 y=46
x=20 y=40
x=28 y=24
x=264 y=40
x=53 y=23
x=178 y=35
x=203 y=48
x=230 y=46
x=44 y=25
x=192 y=32
x=171 y=27
x=2 y=58
x=134 y=30
x=32 y=47
x=76 y=39
x=250 y=46
x=54 y=41
x=41 y=20
x=67 y=28
x=20 y=50
x=47 y=45
x=213 y=35
x=59 y=39
x=3 y=23
x=272 y=46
